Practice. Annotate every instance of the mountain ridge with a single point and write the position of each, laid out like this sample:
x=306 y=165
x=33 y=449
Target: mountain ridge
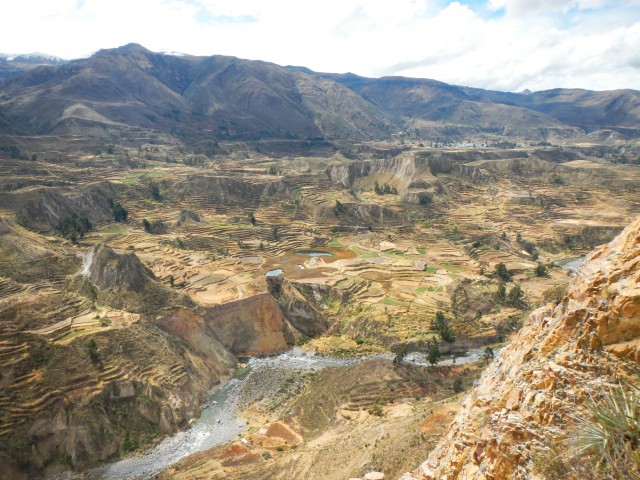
x=227 y=98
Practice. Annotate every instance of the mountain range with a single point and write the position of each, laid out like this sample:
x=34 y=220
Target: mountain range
x=129 y=89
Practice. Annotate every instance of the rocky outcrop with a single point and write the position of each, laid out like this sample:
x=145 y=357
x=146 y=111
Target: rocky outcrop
x=304 y=304
x=193 y=329
x=533 y=395
x=250 y=326
x=402 y=167
x=414 y=176
x=122 y=281
x=50 y=206
x=228 y=191
x=107 y=269
x=362 y=214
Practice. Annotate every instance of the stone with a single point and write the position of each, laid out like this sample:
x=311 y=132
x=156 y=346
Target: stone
x=373 y=476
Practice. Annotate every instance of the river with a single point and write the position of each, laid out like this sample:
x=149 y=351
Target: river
x=571 y=264
x=218 y=422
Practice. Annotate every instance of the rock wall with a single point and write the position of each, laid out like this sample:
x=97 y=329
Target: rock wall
x=250 y=326
x=529 y=399
x=304 y=304
x=83 y=406
x=414 y=175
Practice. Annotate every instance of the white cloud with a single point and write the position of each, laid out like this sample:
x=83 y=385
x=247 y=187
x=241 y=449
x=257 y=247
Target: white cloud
x=505 y=44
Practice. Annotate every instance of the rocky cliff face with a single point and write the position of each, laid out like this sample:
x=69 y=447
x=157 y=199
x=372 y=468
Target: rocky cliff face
x=122 y=281
x=304 y=304
x=529 y=402
x=414 y=176
x=251 y=326
x=106 y=269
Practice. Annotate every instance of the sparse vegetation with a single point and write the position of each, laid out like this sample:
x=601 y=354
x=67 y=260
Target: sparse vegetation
x=154 y=191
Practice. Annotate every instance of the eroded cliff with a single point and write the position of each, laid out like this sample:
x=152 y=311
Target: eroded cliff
x=525 y=417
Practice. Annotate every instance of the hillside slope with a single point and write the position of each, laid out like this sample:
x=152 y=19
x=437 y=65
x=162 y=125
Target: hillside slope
x=563 y=112
x=131 y=87
x=525 y=416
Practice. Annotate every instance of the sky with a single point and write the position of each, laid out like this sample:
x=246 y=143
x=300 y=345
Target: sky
x=507 y=45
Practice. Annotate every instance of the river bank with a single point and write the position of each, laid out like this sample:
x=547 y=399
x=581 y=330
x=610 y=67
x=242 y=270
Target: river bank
x=262 y=378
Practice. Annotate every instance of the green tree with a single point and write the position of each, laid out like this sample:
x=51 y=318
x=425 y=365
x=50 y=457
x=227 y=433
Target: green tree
x=433 y=353
x=400 y=352
x=73 y=227
x=515 y=294
x=488 y=353
x=154 y=191
x=540 y=270
x=441 y=325
x=120 y=214
x=92 y=350
x=503 y=272
x=457 y=385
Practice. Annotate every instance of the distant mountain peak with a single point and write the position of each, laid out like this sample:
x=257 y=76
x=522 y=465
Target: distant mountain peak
x=32 y=58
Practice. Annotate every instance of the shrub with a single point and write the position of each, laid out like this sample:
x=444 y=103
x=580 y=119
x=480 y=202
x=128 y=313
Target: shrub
x=120 y=214
x=433 y=353
x=540 y=270
x=502 y=272
x=607 y=442
x=157 y=226
x=376 y=410
x=554 y=294
x=457 y=385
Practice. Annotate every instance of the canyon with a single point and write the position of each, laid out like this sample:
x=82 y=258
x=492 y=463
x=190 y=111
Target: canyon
x=364 y=274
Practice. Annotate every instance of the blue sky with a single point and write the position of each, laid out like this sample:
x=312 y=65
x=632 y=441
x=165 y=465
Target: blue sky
x=498 y=44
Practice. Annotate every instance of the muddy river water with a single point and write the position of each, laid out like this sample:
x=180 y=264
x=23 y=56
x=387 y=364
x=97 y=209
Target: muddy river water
x=219 y=423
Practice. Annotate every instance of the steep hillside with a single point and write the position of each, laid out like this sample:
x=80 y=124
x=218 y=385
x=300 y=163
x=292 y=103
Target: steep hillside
x=120 y=89
x=547 y=404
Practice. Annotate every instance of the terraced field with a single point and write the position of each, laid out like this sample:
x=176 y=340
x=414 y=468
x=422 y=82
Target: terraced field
x=209 y=234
